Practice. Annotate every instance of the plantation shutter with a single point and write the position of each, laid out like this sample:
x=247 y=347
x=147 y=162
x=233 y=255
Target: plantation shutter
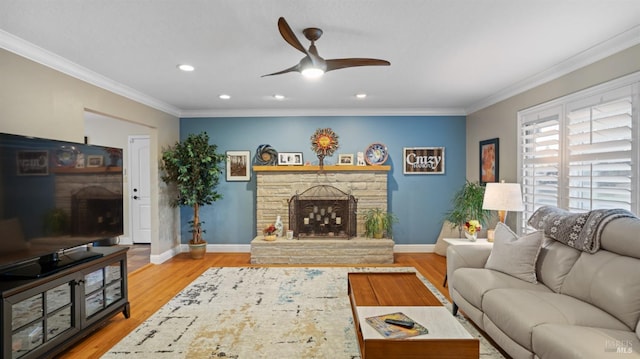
x=540 y=160
x=600 y=152
x=582 y=152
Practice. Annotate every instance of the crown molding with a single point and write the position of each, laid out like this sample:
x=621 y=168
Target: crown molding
x=37 y=54
x=323 y=112
x=589 y=56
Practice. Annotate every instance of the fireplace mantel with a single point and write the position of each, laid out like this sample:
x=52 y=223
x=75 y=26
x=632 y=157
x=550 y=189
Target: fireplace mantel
x=332 y=168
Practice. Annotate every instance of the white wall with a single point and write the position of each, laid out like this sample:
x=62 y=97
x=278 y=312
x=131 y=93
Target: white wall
x=38 y=101
x=500 y=119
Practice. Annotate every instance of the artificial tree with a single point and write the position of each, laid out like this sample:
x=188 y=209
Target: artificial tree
x=194 y=166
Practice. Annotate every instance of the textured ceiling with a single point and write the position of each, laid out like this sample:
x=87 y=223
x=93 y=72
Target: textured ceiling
x=447 y=56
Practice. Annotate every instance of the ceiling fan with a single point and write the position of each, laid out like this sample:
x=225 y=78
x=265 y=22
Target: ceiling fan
x=312 y=65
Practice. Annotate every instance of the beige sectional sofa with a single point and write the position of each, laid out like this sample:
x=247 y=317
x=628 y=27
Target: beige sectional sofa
x=577 y=305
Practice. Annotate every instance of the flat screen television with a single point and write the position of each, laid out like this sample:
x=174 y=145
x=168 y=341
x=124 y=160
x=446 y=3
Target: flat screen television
x=56 y=196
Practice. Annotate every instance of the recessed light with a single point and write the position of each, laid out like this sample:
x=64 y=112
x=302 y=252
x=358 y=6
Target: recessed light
x=361 y=95
x=224 y=97
x=186 y=68
x=278 y=97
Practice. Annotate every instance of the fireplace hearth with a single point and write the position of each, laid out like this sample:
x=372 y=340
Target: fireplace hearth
x=323 y=212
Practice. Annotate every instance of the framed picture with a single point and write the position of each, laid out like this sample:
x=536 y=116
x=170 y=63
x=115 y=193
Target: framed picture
x=360 y=159
x=238 y=166
x=345 y=160
x=423 y=160
x=290 y=159
x=95 y=161
x=489 y=160
x=32 y=163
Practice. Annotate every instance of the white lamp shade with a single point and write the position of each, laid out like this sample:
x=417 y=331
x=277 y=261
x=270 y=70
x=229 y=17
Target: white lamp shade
x=503 y=197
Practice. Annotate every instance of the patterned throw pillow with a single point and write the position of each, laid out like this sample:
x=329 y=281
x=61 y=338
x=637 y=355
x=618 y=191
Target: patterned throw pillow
x=515 y=256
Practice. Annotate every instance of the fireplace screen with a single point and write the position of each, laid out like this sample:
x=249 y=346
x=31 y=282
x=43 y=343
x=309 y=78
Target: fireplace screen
x=323 y=212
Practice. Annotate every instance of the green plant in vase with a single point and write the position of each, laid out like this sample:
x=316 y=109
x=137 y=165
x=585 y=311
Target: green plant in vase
x=194 y=166
x=467 y=205
x=377 y=222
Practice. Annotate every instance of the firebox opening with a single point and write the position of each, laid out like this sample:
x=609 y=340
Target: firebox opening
x=323 y=212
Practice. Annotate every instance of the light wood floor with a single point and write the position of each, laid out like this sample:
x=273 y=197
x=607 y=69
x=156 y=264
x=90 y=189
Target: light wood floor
x=151 y=286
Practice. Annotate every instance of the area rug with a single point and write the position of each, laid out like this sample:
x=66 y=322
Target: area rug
x=275 y=312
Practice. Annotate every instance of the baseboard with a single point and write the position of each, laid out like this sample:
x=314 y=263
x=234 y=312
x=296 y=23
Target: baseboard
x=414 y=248
x=165 y=256
x=125 y=241
x=246 y=248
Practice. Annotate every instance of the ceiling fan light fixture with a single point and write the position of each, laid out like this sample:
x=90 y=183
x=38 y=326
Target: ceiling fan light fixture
x=278 y=97
x=186 y=67
x=312 y=72
x=361 y=96
x=224 y=97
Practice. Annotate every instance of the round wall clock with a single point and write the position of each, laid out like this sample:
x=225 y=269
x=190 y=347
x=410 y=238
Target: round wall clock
x=324 y=142
x=376 y=154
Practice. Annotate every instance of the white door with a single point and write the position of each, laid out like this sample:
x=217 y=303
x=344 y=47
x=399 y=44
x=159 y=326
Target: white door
x=139 y=189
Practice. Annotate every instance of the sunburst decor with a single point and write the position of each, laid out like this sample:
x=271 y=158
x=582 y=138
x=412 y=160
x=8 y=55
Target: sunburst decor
x=324 y=142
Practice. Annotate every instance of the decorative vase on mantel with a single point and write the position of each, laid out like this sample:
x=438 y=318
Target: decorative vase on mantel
x=279 y=227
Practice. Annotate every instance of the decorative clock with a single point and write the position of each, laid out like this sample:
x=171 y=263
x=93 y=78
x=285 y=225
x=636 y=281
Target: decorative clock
x=324 y=142
x=266 y=155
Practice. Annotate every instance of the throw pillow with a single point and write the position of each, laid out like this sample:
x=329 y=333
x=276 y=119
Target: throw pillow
x=515 y=256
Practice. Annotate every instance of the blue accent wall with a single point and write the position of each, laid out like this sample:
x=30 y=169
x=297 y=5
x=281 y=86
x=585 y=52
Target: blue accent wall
x=419 y=201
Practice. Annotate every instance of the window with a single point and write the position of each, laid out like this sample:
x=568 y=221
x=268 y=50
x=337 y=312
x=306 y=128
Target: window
x=581 y=152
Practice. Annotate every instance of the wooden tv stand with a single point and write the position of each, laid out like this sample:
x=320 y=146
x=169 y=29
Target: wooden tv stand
x=374 y=294
x=43 y=316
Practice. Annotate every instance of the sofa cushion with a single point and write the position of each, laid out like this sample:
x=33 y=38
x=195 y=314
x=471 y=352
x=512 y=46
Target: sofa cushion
x=608 y=281
x=554 y=263
x=517 y=312
x=577 y=342
x=515 y=256
x=621 y=236
x=473 y=283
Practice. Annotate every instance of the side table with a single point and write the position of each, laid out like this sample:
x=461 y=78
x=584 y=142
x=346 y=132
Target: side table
x=466 y=242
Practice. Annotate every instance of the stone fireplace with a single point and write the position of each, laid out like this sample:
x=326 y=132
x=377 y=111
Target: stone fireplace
x=277 y=186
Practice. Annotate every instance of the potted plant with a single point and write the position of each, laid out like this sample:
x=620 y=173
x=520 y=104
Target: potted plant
x=467 y=206
x=195 y=168
x=377 y=222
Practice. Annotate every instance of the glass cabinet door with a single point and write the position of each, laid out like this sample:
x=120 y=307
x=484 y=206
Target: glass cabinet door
x=40 y=318
x=103 y=287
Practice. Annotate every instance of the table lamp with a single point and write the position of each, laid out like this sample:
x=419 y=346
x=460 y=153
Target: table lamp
x=502 y=197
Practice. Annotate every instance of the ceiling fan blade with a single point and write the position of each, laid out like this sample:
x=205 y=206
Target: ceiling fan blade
x=336 y=64
x=294 y=68
x=289 y=36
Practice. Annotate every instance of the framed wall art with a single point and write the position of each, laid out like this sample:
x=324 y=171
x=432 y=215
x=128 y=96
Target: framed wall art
x=489 y=160
x=95 y=161
x=32 y=163
x=290 y=159
x=423 y=160
x=345 y=159
x=238 y=168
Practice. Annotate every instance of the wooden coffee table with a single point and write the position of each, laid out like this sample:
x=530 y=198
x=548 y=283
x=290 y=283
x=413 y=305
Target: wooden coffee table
x=373 y=294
